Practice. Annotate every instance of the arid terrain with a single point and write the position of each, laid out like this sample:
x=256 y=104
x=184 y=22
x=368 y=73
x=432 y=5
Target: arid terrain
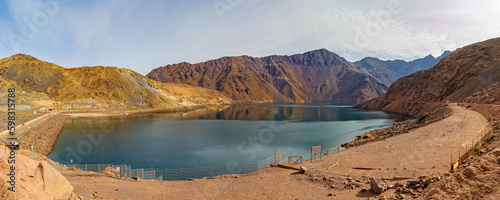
x=318 y=75
x=41 y=85
x=423 y=152
x=409 y=165
x=469 y=74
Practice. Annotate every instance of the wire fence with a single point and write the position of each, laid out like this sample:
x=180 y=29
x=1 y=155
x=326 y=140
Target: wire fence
x=476 y=143
x=167 y=174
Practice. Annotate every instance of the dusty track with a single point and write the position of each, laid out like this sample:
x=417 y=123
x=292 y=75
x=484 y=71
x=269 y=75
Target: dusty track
x=423 y=151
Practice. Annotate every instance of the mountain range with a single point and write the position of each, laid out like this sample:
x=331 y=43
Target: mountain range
x=387 y=72
x=470 y=74
x=318 y=75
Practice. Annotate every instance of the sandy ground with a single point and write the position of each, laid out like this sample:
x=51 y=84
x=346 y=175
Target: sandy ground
x=423 y=151
x=269 y=183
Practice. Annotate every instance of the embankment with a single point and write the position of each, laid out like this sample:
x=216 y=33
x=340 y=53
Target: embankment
x=44 y=135
x=413 y=108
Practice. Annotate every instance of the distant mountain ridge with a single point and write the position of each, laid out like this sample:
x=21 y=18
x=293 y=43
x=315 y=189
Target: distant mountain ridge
x=318 y=75
x=470 y=74
x=389 y=71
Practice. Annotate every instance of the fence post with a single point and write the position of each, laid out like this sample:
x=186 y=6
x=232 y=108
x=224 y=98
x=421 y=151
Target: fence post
x=166 y=174
x=180 y=173
x=210 y=170
x=154 y=174
x=241 y=168
x=275 y=157
x=195 y=172
x=142 y=173
x=85 y=169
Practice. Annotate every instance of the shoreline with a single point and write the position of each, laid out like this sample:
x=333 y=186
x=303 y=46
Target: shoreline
x=45 y=135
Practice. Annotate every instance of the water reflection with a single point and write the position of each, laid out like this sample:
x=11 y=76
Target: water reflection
x=214 y=136
x=291 y=112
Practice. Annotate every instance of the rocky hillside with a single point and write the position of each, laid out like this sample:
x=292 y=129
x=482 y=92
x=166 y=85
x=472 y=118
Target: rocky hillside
x=313 y=76
x=389 y=71
x=42 y=85
x=470 y=74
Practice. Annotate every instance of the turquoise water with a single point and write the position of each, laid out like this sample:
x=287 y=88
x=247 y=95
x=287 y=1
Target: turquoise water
x=241 y=133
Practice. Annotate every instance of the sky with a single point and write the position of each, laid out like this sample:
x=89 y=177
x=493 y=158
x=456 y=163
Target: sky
x=143 y=35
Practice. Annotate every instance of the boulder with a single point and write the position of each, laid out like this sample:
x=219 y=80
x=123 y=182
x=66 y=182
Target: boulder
x=137 y=178
x=54 y=183
x=109 y=171
x=303 y=169
x=35 y=180
x=377 y=185
x=496 y=152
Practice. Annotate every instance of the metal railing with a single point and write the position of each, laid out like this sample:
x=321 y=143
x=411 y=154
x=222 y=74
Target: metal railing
x=312 y=156
x=126 y=171
x=167 y=174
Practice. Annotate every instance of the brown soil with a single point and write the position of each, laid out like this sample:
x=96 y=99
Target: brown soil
x=478 y=178
x=44 y=135
x=269 y=183
x=400 y=127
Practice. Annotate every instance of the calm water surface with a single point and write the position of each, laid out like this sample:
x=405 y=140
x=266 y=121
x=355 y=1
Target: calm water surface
x=238 y=133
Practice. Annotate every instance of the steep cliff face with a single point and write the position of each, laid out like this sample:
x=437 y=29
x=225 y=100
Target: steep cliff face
x=42 y=84
x=463 y=76
x=313 y=76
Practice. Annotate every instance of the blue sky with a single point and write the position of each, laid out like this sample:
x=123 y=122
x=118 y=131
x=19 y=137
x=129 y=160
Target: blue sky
x=143 y=35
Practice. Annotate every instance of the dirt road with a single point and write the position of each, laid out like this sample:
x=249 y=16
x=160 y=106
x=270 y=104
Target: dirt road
x=423 y=151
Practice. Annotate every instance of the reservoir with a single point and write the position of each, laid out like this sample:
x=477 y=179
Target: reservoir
x=239 y=133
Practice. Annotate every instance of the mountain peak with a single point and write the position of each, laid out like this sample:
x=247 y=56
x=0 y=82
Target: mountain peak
x=21 y=56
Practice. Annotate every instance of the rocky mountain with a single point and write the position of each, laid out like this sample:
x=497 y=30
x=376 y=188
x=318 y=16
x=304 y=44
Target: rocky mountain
x=318 y=75
x=470 y=74
x=389 y=71
x=42 y=85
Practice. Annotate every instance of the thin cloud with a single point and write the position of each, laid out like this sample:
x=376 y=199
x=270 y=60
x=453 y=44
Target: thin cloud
x=142 y=35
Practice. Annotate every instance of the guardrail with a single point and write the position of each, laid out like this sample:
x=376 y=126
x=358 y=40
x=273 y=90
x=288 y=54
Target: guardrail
x=312 y=156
